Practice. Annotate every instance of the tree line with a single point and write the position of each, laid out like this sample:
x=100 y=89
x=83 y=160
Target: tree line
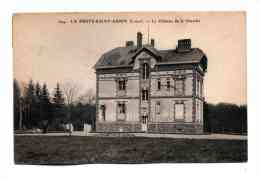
x=35 y=107
x=225 y=118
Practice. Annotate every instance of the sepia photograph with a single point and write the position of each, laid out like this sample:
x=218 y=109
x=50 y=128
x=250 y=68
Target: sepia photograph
x=129 y=87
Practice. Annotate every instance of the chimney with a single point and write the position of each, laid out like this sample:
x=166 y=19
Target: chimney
x=152 y=42
x=139 y=39
x=184 y=45
x=129 y=43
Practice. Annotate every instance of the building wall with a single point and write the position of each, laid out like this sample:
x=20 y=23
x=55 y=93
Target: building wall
x=167 y=109
x=164 y=122
x=199 y=111
x=164 y=75
x=107 y=86
x=132 y=110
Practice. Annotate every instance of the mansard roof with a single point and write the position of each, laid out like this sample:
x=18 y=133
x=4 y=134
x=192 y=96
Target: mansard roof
x=124 y=56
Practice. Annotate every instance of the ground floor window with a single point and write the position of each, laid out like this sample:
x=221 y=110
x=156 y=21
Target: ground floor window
x=121 y=111
x=103 y=112
x=121 y=108
x=179 y=111
x=157 y=107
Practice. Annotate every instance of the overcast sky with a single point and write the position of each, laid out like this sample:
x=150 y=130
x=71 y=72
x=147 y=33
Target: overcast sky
x=48 y=50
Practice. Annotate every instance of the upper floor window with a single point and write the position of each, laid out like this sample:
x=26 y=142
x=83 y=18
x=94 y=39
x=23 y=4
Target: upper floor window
x=144 y=94
x=168 y=84
x=121 y=84
x=145 y=71
x=179 y=87
x=159 y=84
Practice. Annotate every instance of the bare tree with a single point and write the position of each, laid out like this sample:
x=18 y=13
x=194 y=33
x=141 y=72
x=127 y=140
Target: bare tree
x=88 y=97
x=70 y=90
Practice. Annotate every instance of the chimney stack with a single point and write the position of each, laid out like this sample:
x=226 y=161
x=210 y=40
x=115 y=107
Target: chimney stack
x=129 y=43
x=184 y=45
x=152 y=42
x=139 y=39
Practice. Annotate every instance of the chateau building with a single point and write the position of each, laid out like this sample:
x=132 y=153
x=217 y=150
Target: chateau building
x=143 y=89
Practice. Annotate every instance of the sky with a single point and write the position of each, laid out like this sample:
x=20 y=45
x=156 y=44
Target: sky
x=62 y=47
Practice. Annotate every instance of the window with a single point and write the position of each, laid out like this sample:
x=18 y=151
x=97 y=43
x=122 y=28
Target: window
x=198 y=88
x=145 y=71
x=144 y=119
x=159 y=84
x=198 y=111
x=121 y=84
x=121 y=108
x=179 y=87
x=103 y=112
x=157 y=107
x=144 y=94
x=168 y=84
x=179 y=111
x=201 y=89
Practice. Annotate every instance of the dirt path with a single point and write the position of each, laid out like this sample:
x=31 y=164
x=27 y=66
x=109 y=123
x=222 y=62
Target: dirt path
x=149 y=135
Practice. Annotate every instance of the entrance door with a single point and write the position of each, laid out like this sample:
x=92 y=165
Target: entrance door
x=144 y=123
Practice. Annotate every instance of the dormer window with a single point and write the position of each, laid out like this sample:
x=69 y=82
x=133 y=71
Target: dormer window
x=145 y=71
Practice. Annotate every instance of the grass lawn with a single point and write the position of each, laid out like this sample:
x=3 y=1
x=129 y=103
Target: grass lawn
x=80 y=150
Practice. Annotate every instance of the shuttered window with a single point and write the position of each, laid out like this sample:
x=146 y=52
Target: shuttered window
x=179 y=111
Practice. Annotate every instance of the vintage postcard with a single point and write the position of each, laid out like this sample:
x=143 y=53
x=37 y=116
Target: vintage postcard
x=130 y=87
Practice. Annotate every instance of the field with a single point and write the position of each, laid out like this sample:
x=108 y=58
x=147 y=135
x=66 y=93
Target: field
x=79 y=150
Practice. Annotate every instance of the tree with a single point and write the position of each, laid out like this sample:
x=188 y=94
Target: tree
x=58 y=106
x=38 y=91
x=46 y=107
x=70 y=90
x=87 y=107
x=225 y=118
x=38 y=104
x=88 y=97
x=29 y=105
x=17 y=105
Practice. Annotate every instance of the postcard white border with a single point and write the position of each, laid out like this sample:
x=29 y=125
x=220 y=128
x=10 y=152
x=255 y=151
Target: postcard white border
x=7 y=167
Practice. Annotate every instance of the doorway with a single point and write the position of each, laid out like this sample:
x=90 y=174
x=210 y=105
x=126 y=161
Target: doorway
x=144 y=123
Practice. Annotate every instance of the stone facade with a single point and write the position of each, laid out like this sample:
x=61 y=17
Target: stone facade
x=148 y=91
